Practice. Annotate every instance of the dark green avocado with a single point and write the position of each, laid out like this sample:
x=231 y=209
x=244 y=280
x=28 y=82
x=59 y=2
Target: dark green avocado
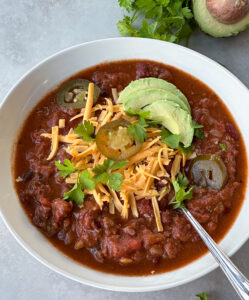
x=210 y=25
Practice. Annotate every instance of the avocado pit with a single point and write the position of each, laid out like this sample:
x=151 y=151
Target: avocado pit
x=228 y=11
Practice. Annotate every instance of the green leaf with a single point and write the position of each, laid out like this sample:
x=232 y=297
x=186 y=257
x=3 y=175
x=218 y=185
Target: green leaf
x=181 y=194
x=202 y=296
x=155 y=12
x=172 y=140
x=86 y=180
x=187 y=13
x=145 y=5
x=124 y=26
x=183 y=180
x=148 y=30
x=198 y=132
x=115 y=181
x=75 y=194
x=223 y=147
x=65 y=169
x=127 y=4
x=138 y=132
x=86 y=131
x=185 y=150
x=103 y=178
x=117 y=165
x=163 y=2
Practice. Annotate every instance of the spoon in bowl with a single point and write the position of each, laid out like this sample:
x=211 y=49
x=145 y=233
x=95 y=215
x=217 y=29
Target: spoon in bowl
x=237 y=279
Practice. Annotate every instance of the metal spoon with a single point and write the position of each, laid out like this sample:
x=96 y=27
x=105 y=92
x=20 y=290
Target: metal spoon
x=237 y=279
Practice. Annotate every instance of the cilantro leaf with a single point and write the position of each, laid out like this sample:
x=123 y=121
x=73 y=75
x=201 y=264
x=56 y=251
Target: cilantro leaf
x=114 y=165
x=198 y=132
x=127 y=4
x=85 y=130
x=202 y=296
x=172 y=140
x=65 y=169
x=115 y=181
x=181 y=194
x=75 y=194
x=141 y=113
x=138 y=132
x=103 y=178
x=124 y=26
x=86 y=181
x=223 y=147
x=103 y=175
x=185 y=150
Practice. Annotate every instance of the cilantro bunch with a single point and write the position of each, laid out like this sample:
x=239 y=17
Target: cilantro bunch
x=167 y=20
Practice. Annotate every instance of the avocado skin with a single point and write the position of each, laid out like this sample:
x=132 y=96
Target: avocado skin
x=175 y=119
x=140 y=98
x=149 y=83
x=214 y=28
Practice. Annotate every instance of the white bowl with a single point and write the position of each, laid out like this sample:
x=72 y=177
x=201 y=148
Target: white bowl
x=46 y=76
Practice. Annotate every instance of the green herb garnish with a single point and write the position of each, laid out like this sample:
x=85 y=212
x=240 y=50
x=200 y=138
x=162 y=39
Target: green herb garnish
x=185 y=150
x=75 y=194
x=198 y=132
x=103 y=175
x=223 y=147
x=84 y=181
x=167 y=20
x=86 y=131
x=170 y=139
x=137 y=131
x=202 y=296
x=181 y=192
x=65 y=169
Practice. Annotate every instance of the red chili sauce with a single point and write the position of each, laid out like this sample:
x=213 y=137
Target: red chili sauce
x=98 y=239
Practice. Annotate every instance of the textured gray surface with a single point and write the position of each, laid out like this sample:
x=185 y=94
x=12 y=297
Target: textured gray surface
x=30 y=30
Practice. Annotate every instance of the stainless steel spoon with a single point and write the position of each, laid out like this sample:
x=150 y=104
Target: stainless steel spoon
x=237 y=279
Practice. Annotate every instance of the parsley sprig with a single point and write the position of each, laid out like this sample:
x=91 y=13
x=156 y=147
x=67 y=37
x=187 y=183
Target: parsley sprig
x=86 y=131
x=181 y=193
x=167 y=20
x=103 y=173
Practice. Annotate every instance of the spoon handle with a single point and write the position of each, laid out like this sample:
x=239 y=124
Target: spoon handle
x=237 y=279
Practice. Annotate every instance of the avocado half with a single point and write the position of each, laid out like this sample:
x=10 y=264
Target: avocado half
x=213 y=27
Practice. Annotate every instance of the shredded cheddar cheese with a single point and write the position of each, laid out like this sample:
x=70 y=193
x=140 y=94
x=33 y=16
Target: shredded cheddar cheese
x=157 y=214
x=62 y=123
x=55 y=142
x=155 y=161
x=89 y=102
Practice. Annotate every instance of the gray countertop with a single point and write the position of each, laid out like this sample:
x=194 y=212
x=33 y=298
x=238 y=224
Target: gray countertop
x=31 y=30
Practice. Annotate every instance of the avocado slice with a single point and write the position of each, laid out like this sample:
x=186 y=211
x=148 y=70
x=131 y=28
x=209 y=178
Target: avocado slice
x=148 y=83
x=213 y=27
x=140 y=98
x=175 y=119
